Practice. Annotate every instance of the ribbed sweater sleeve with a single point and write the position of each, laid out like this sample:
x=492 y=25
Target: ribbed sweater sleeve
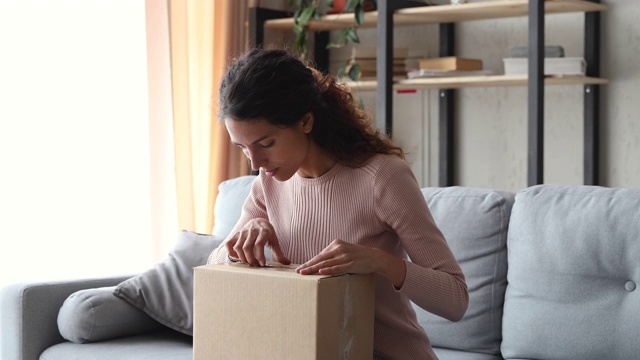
x=253 y=208
x=434 y=280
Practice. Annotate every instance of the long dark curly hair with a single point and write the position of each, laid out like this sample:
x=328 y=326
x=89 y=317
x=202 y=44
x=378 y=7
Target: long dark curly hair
x=273 y=84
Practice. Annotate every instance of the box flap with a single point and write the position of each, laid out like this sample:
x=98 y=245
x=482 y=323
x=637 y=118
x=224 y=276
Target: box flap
x=272 y=269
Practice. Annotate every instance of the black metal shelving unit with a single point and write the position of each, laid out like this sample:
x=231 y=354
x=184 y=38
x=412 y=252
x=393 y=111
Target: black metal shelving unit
x=535 y=173
x=536 y=83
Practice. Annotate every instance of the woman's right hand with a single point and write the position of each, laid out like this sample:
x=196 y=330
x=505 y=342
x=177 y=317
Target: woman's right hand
x=248 y=244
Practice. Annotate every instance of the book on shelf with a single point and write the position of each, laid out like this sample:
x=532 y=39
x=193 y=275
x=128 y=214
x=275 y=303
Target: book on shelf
x=372 y=52
x=374 y=62
x=426 y=73
x=451 y=63
x=366 y=59
x=550 y=51
x=569 y=66
x=372 y=75
x=373 y=67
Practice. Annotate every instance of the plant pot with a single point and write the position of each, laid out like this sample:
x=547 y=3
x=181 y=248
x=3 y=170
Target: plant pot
x=339 y=5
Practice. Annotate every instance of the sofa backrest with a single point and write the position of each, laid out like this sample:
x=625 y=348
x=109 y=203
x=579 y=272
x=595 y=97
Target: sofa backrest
x=231 y=196
x=475 y=223
x=574 y=264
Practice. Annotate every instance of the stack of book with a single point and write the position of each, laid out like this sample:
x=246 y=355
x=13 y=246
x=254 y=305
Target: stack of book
x=366 y=59
x=448 y=66
x=555 y=64
x=451 y=63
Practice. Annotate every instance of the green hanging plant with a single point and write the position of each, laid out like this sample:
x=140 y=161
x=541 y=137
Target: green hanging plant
x=306 y=10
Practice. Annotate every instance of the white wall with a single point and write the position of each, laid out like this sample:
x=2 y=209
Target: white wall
x=621 y=115
x=492 y=142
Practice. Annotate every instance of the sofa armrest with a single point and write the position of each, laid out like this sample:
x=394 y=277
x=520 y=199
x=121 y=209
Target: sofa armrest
x=29 y=313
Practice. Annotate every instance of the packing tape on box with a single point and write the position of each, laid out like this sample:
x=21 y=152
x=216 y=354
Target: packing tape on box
x=347 y=336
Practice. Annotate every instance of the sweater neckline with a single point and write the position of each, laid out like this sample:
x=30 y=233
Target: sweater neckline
x=320 y=179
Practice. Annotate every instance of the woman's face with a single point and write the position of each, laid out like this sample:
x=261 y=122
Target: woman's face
x=276 y=151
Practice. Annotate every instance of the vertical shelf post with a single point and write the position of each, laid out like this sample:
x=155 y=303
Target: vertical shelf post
x=535 y=87
x=320 y=51
x=384 y=67
x=446 y=114
x=384 y=63
x=257 y=18
x=592 y=98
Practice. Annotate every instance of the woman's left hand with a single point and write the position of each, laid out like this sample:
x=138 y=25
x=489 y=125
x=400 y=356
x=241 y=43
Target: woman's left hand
x=341 y=257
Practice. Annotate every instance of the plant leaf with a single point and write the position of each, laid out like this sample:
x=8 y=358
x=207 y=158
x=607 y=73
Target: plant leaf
x=343 y=35
x=296 y=3
x=352 y=35
x=306 y=15
x=342 y=70
x=354 y=72
x=301 y=42
x=351 y=5
x=359 y=14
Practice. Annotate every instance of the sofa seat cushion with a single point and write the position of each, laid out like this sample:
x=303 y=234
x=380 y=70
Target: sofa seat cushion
x=574 y=258
x=475 y=223
x=449 y=354
x=167 y=345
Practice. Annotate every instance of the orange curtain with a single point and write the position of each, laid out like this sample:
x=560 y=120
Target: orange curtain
x=204 y=36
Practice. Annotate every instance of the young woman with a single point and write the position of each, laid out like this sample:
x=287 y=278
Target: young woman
x=335 y=196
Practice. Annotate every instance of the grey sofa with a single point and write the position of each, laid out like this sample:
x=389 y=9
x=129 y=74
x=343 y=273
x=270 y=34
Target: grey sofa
x=551 y=270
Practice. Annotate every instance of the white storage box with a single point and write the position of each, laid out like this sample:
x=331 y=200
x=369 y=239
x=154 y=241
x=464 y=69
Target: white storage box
x=570 y=66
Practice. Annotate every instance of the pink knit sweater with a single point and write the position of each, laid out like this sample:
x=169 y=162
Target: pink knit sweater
x=378 y=205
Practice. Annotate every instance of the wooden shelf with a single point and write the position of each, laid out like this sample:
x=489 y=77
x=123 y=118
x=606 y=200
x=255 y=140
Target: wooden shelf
x=444 y=14
x=488 y=10
x=489 y=81
x=476 y=81
x=326 y=23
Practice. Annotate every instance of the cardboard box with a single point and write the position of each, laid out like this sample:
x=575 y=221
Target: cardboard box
x=244 y=312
